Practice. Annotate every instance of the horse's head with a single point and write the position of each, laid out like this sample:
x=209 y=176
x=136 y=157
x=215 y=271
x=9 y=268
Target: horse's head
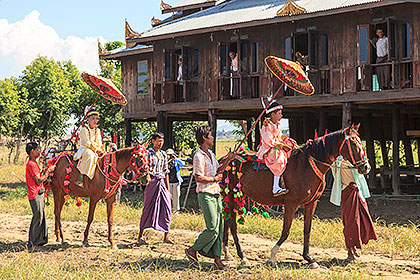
x=139 y=161
x=352 y=150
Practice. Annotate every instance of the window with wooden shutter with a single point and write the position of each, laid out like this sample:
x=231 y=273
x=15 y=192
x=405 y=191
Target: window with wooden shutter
x=363 y=53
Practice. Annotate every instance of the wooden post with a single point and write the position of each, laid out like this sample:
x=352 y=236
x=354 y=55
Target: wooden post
x=306 y=127
x=323 y=117
x=384 y=150
x=248 y=127
x=213 y=125
x=162 y=126
x=169 y=138
x=257 y=136
x=370 y=145
x=346 y=117
x=395 y=151
x=127 y=123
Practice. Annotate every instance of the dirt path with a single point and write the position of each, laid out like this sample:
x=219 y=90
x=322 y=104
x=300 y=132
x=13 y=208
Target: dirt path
x=14 y=230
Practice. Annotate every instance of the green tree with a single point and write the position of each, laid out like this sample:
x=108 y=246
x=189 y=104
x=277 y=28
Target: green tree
x=49 y=92
x=184 y=134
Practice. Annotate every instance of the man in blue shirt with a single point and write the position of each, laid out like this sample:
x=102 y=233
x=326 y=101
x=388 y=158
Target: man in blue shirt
x=175 y=179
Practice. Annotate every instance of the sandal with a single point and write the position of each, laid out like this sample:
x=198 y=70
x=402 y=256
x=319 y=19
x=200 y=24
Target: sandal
x=191 y=259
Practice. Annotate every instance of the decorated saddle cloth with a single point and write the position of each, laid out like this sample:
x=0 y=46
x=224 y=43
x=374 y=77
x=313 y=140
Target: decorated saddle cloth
x=257 y=164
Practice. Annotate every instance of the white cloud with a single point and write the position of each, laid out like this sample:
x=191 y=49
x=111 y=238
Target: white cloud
x=22 y=41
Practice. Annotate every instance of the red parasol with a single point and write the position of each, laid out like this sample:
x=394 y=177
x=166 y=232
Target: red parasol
x=105 y=87
x=290 y=73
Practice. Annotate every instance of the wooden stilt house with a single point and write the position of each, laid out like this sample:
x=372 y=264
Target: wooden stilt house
x=331 y=38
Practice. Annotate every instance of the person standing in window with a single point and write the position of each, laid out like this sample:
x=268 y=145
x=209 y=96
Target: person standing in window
x=382 y=71
x=234 y=74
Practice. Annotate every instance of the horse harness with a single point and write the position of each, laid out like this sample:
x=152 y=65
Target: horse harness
x=355 y=163
x=110 y=189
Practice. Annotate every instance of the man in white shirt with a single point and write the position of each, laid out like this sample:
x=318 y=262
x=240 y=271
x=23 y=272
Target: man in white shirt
x=381 y=46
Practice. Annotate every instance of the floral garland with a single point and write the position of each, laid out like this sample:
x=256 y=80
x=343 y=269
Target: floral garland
x=238 y=196
x=66 y=182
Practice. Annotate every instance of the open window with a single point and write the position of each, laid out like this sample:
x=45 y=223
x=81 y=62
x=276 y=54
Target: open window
x=186 y=62
x=168 y=65
x=304 y=48
x=195 y=63
x=324 y=50
x=244 y=56
x=254 y=57
x=223 y=59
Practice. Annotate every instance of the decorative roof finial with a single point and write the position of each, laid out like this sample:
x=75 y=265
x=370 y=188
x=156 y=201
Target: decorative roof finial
x=164 y=6
x=101 y=49
x=156 y=21
x=129 y=32
x=291 y=8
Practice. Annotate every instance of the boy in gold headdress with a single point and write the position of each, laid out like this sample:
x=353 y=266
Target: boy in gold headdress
x=91 y=147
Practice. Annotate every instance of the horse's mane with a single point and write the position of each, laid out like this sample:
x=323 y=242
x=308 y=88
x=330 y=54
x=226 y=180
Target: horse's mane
x=123 y=153
x=318 y=150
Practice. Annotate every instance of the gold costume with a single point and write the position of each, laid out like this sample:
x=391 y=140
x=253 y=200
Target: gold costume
x=90 y=143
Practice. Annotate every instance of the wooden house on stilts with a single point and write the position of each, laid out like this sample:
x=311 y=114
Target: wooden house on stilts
x=333 y=38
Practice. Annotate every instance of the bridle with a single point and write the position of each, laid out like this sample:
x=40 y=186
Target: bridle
x=139 y=151
x=363 y=159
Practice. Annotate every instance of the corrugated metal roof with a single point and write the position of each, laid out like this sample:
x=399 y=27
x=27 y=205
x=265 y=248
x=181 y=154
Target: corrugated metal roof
x=128 y=51
x=240 y=11
x=183 y=3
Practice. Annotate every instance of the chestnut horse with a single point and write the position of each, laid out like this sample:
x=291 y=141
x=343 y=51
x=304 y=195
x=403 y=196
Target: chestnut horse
x=304 y=177
x=134 y=158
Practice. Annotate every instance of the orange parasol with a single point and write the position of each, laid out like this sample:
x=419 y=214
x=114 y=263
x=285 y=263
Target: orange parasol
x=290 y=73
x=104 y=87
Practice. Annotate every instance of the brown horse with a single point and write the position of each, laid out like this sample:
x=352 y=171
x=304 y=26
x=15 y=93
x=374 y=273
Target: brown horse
x=134 y=158
x=306 y=184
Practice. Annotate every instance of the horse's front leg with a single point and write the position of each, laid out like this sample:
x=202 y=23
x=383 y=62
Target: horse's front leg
x=308 y=215
x=225 y=242
x=92 y=205
x=110 y=209
x=289 y=213
x=234 y=230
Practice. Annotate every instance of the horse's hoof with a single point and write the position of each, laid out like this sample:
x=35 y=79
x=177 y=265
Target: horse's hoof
x=114 y=247
x=313 y=265
x=245 y=262
x=65 y=243
x=270 y=263
x=86 y=244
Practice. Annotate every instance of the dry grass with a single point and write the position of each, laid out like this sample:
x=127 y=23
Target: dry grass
x=39 y=266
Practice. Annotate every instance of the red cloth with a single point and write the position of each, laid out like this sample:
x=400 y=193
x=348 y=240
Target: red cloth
x=358 y=225
x=32 y=169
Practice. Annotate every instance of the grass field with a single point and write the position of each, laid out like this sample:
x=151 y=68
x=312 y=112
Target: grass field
x=399 y=243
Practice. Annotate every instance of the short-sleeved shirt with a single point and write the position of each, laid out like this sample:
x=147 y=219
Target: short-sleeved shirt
x=205 y=166
x=32 y=169
x=382 y=47
x=158 y=165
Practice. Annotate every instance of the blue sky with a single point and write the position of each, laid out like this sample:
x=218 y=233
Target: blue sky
x=66 y=30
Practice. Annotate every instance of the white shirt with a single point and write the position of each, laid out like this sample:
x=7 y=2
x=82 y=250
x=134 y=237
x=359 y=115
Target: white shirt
x=179 y=73
x=382 y=47
x=206 y=166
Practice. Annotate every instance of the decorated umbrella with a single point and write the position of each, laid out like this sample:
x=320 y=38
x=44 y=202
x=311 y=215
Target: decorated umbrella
x=289 y=73
x=105 y=88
